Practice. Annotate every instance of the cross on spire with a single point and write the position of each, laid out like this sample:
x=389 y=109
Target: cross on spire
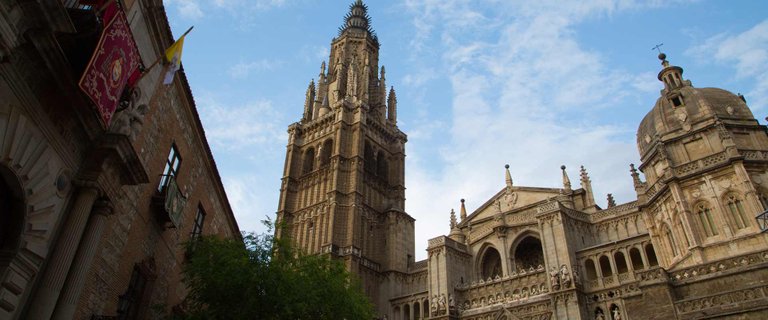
x=658 y=47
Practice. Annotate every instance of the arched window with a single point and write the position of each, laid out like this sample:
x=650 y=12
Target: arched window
x=426 y=308
x=325 y=152
x=621 y=262
x=309 y=161
x=396 y=313
x=528 y=254
x=605 y=266
x=490 y=266
x=589 y=265
x=669 y=239
x=651 y=255
x=416 y=311
x=706 y=220
x=11 y=216
x=406 y=312
x=736 y=209
x=369 y=159
x=637 y=260
x=382 y=168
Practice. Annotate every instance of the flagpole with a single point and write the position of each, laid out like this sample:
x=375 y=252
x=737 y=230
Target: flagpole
x=160 y=57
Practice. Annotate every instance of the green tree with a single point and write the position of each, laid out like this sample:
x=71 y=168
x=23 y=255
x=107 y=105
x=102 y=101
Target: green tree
x=264 y=278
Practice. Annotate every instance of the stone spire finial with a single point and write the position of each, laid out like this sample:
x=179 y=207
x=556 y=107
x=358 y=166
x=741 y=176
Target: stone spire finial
x=453 y=219
x=586 y=184
x=322 y=68
x=566 y=180
x=611 y=201
x=508 y=177
x=357 y=18
x=463 y=212
x=325 y=108
x=392 y=106
x=309 y=99
x=635 y=176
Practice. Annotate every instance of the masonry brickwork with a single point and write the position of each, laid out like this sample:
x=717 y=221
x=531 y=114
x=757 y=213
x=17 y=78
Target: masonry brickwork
x=94 y=222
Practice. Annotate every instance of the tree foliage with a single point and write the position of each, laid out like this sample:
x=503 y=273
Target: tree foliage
x=264 y=278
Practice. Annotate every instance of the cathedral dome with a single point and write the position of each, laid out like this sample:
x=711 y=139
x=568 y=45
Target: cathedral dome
x=681 y=106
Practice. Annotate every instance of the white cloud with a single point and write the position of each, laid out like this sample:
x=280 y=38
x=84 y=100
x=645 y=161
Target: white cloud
x=248 y=201
x=189 y=9
x=747 y=52
x=242 y=70
x=251 y=125
x=523 y=92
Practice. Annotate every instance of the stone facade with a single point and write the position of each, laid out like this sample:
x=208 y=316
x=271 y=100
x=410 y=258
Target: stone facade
x=85 y=232
x=689 y=247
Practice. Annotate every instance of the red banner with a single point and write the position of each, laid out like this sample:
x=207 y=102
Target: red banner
x=113 y=62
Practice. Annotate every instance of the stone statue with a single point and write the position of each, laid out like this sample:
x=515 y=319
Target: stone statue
x=130 y=120
x=441 y=302
x=616 y=313
x=554 y=278
x=451 y=302
x=565 y=276
x=599 y=315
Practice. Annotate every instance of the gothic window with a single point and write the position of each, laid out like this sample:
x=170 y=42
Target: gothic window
x=637 y=259
x=736 y=209
x=309 y=161
x=605 y=266
x=764 y=200
x=621 y=262
x=369 y=158
x=325 y=153
x=416 y=311
x=406 y=312
x=706 y=220
x=197 y=229
x=670 y=240
x=528 y=254
x=172 y=164
x=589 y=265
x=382 y=169
x=651 y=255
x=426 y=308
x=491 y=264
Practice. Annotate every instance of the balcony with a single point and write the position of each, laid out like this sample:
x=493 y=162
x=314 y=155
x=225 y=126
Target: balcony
x=169 y=202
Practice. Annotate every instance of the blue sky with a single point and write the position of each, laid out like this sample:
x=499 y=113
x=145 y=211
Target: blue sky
x=480 y=84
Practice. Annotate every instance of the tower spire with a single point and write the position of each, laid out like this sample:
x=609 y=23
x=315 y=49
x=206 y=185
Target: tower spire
x=357 y=19
x=463 y=212
x=566 y=180
x=508 y=176
x=392 y=106
x=586 y=184
x=672 y=76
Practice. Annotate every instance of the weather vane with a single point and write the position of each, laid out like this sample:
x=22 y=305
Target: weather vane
x=658 y=47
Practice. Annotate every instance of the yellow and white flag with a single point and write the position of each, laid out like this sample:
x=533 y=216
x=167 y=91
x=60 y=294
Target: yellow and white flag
x=173 y=58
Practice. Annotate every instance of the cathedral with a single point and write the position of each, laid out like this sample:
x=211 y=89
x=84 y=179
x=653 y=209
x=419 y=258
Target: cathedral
x=689 y=247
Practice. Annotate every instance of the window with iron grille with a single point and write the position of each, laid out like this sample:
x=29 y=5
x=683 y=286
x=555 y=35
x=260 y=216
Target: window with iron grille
x=171 y=168
x=130 y=302
x=197 y=229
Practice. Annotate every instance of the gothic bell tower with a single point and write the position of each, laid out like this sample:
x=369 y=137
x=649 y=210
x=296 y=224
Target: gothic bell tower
x=343 y=189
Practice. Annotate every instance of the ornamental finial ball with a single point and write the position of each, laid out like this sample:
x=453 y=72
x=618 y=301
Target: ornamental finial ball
x=462 y=200
x=562 y=167
x=506 y=166
x=662 y=56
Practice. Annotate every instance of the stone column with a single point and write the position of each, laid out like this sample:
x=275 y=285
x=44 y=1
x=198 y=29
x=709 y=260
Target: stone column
x=52 y=281
x=65 y=309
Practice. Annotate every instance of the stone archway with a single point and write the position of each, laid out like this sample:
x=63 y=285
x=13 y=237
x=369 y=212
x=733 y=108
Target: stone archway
x=527 y=253
x=490 y=263
x=32 y=167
